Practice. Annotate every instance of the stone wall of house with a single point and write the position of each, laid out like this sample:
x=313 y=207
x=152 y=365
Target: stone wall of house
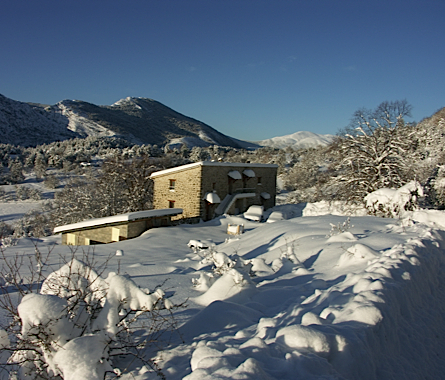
x=135 y=229
x=110 y=234
x=100 y=234
x=193 y=183
x=216 y=178
x=186 y=195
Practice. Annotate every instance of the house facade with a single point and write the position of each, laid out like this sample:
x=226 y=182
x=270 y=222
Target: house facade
x=206 y=189
x=114 y=228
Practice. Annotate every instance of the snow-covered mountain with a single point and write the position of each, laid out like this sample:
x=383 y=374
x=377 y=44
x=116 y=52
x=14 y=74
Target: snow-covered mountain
x=298 y=140
x=27 y=125
x=139 y=120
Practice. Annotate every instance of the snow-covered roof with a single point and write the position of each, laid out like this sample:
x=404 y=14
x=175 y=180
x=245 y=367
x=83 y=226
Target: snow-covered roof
x=249 y=173
x=212 y=163
x=234 y=174
x=118 y=219
x=212 y=198
x=265 y=195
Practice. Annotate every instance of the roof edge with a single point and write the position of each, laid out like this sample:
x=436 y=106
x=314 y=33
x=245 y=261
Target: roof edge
x=121 y=218
x=212 y=163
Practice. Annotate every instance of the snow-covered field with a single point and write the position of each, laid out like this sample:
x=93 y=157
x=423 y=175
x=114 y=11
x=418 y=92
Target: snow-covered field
x=330 y=298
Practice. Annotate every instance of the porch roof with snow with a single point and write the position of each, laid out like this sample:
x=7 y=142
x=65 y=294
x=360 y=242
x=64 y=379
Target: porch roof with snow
x=212 y=163
x=118 y=219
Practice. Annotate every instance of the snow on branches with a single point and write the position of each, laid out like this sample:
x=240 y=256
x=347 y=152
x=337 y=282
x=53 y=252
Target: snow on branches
x=78 y=322
x=394 y=203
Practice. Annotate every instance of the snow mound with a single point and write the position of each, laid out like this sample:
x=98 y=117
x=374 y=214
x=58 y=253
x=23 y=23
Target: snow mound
x=343 y=237
x=275 y=216
x=362 y=305
x=234 y=284
x=431 y=218
x=254 y=213
x=212 y=365
x=303 y=338
x=217 y=316
x=356 y=253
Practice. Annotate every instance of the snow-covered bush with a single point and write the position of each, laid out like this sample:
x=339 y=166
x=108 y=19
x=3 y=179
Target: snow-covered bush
x=201 y=247
x=51 y=181
x=339 y=228
x=15 y=174
x=6 y=238
x=220 y=264
x=393 y=203
x=24 y=193
x=438 y=185
x=5 y=229
x=32 y=224
x=79 y=325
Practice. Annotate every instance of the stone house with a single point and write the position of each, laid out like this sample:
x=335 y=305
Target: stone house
x=114 y=228
x=207 y=189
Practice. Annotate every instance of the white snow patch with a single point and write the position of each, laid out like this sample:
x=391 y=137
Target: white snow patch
x=249 y=173
x=235 y=174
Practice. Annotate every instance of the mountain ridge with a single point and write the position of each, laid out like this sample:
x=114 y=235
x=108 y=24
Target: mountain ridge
x=298 y=140
x=138 y=120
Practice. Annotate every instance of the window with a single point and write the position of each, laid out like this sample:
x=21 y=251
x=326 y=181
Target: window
x=259 y=180
x=213 y=185
x=171 y=204
x=172 y=184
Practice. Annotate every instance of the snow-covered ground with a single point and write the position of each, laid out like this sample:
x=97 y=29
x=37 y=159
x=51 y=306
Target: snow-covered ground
x=12 y=210
x=332 y=297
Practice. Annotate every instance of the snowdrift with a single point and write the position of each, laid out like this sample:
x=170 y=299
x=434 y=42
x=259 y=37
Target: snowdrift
x=296 y=298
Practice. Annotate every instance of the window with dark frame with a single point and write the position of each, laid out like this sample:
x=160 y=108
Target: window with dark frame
x=171 y=204
x=172 y=184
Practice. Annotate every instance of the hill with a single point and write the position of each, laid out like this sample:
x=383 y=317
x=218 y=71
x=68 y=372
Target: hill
x=139 y=120
x=27 y=125
x=435 y=119
x=298 y=140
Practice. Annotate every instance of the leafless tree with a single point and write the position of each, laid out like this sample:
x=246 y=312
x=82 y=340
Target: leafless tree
x=374 y=151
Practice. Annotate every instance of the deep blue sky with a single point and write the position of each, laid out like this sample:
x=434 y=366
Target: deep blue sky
x=252 y=69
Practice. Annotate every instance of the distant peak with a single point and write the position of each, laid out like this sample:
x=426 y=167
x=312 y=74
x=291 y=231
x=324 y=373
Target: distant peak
x=130 y=100
x=124 y=101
